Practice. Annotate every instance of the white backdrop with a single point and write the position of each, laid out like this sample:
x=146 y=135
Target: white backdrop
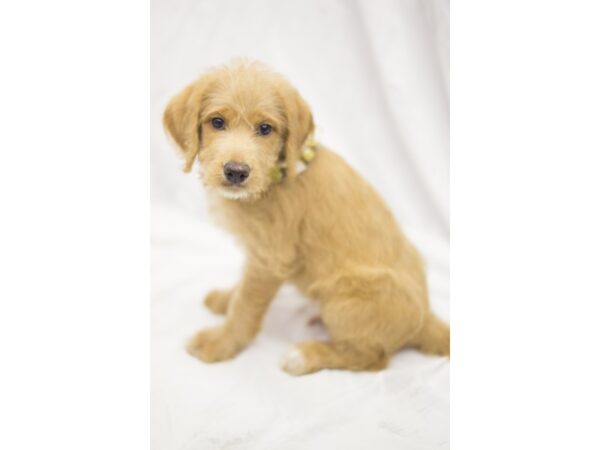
x=376 y=77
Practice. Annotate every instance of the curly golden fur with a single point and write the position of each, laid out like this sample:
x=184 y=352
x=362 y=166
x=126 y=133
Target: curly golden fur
x=325 y=230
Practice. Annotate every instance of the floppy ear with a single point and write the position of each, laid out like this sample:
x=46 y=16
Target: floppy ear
x=181 y=122
x=299 y=126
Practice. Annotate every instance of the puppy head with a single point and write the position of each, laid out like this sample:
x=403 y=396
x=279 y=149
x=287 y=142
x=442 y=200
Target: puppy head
x=239 y=121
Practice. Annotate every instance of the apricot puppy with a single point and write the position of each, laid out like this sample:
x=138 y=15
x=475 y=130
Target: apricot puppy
x=303 y=216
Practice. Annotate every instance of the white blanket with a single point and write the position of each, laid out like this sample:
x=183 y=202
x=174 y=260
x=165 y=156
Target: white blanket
x=376 y=77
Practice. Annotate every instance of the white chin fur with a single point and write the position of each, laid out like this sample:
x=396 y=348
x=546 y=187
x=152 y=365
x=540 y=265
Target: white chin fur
x=233 y=195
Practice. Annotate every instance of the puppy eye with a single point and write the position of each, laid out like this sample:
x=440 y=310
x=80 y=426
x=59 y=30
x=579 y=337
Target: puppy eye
x=218 y=123
x=264 y=129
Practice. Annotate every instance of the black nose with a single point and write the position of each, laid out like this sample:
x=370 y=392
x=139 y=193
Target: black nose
x=236 y=172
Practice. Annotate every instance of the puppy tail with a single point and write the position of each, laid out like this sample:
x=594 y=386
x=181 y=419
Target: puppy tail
x=434 y=337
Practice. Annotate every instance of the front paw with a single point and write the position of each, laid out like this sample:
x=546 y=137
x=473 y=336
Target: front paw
x=212 y=345
x=217 y=301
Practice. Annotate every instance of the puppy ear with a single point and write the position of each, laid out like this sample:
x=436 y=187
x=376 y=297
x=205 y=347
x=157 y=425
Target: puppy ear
x=299 y=127
x=181 y=122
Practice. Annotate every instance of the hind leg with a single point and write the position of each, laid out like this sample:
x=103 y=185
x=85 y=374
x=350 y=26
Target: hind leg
x=311 y=356
x=433 y=338
x=364 y=333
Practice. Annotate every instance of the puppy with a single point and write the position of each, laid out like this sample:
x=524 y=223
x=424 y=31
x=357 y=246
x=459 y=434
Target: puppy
x=303 y=216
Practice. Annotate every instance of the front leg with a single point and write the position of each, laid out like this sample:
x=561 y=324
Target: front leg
x=247 y=306
x=218 y=300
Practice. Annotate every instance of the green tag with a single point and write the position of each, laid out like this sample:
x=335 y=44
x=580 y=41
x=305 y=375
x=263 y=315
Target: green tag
x=276 y=174
x=308 y=155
